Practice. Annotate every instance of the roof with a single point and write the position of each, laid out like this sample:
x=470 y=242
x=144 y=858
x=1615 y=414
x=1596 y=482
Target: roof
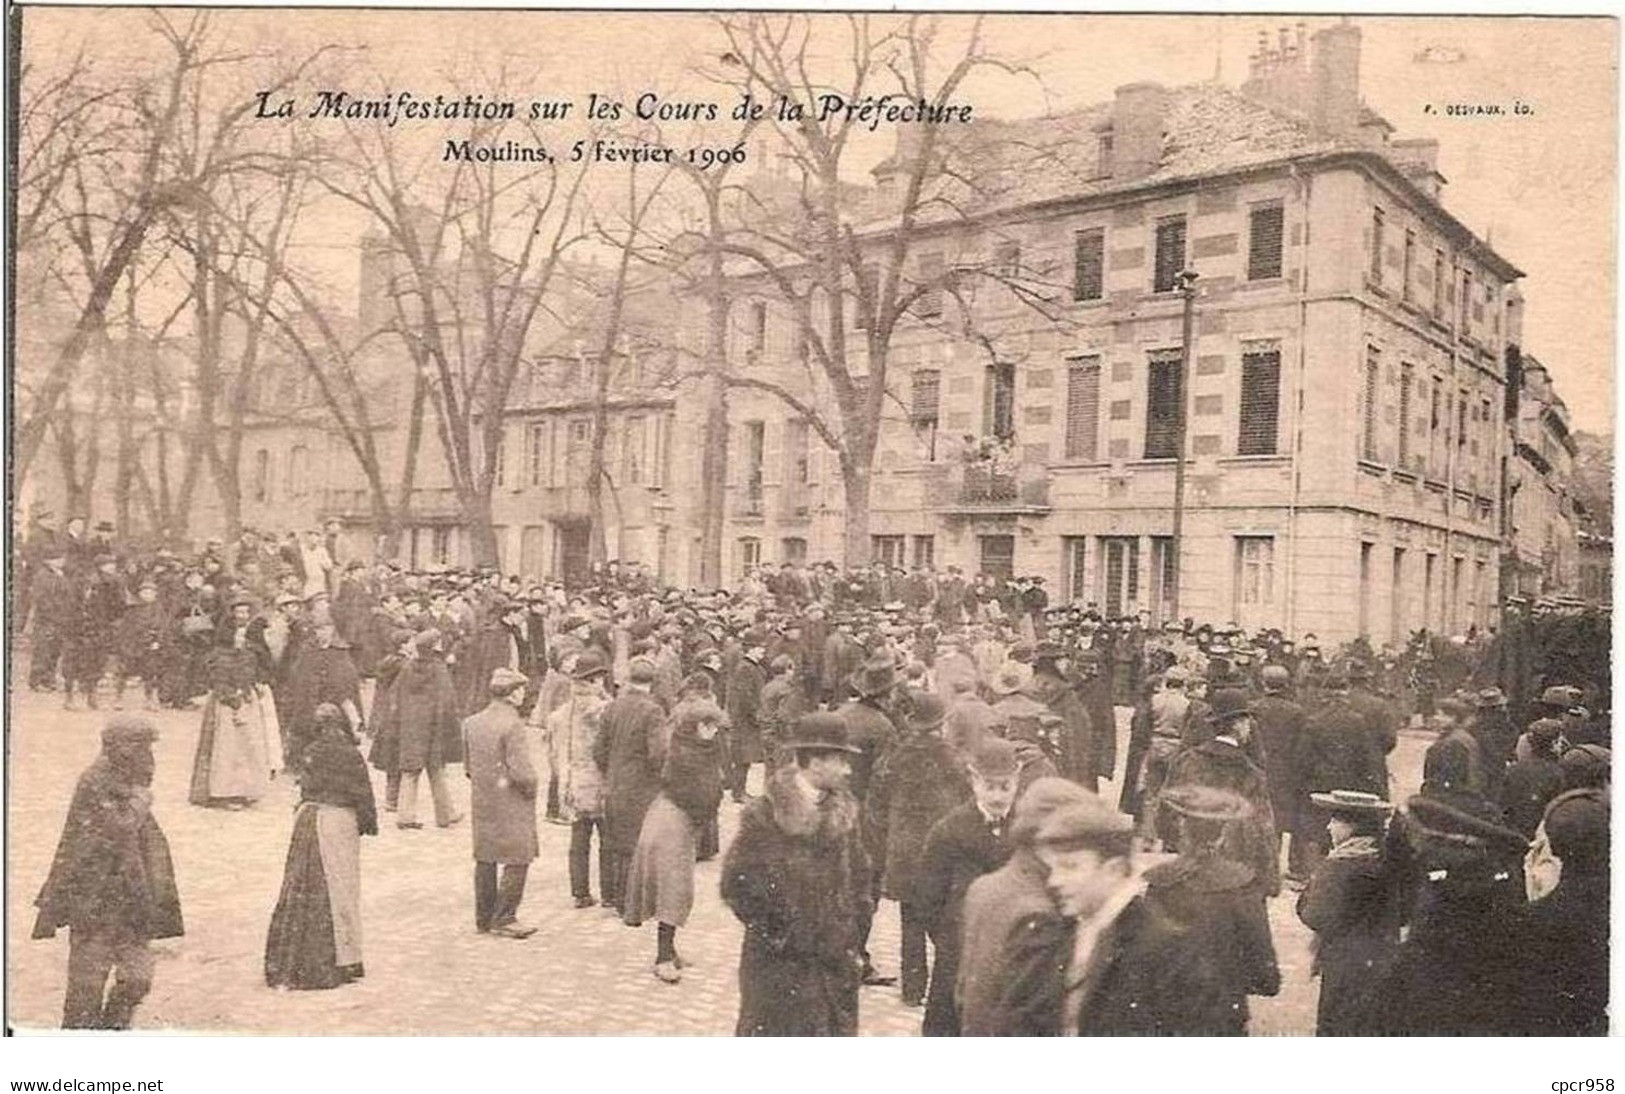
x=995 y=166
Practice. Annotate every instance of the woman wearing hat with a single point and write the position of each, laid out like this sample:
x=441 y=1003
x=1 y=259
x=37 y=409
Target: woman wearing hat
x=660 y=880
x=1352 y=905
x=315 y=935
x=232 y=766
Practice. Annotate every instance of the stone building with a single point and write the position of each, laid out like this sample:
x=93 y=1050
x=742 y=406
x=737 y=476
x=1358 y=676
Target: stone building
x=1346 y=377
x=1544 y=553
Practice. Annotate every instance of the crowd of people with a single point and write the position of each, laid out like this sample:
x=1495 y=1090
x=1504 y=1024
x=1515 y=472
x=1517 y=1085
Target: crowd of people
x=921 y=737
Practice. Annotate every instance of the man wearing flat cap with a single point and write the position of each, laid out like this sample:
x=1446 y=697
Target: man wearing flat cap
x=111 y=883
x=798 y=878
x=969 y=842
x=502 y=805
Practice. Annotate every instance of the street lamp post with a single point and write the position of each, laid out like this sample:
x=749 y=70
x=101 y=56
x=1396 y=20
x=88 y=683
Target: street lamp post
x=1187 y=289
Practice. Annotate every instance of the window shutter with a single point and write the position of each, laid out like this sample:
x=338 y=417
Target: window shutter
x=1162 y=406
x=1088 y=281
x=1407 y=380
x=1368 y=446
x=930 y=300
x=925 y=396
x=773 y=453
x=1264 y=242
x=1260 y=403
x=1083 y=408
x=1170 y=253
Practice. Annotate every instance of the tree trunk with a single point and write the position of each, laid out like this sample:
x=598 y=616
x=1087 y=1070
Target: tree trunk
x=482 y=538
x=713 y=481
x=856 y=482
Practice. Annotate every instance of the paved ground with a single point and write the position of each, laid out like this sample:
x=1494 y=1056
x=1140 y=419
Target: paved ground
x=427 y=970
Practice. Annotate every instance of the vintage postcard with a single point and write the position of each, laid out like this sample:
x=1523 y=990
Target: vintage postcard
x=789 y=523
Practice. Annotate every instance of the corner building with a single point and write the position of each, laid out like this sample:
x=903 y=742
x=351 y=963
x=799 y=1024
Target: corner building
x=1345 y=421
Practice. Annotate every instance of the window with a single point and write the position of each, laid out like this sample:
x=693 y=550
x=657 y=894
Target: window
x=440 y=546
x=755 y=450
x=1089 y=264
x=1399 y=600
x=793 y=549
x=635 y=439
x=868 y=289
x=929 y=303
x=758 y=333
x=261 y=479
x=1164 y=578
x=499 y=462
x=1074 y=580
x=925 y=395
x=886 y=549
x=998 y=555
x=1376 y=246
x=662 y=462
x=1461 y=418
x=1170 y=254
x=1162 y=406
x=1264 y=242
x=798 y=451
x=1363 y=621
x=1368 y=435
x=1410 y=266
x=1260 y=403
x=298 y=471
x=1407 y=380
x=1119 y=566
x=1466 y=301
x=1438 y=284
x=1434 y=410
x=1103 y=155
x=538 y=457
x=1083 y=408
x=925 y=551
x=1000 y=409
x=750 y=554
x=1255 y=571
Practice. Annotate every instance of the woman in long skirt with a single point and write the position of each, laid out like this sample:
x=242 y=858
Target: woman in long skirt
x=315 y=936
x=660 y=882
x=231 y=768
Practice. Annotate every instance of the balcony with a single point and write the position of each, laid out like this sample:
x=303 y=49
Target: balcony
x=430 y=505
x=750 y=503
x=976 y=489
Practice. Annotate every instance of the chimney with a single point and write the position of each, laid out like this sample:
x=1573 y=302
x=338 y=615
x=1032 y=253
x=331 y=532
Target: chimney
x=1335 y=81
x=1138 y=114
x=1279 y=75
x=1418 y=160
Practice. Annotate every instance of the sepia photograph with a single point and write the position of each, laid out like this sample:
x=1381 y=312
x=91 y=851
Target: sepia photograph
x=788 y=523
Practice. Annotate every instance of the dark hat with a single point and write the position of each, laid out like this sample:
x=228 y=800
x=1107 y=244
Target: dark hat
x=1587 y=765
x=426 y=639
x=782 y=663
x=505 y=680
x=1229 y=703
x=877 y=677
x=128 y=729
x=641 y=670
x=326 y=714
x=694 y=711
x=589 y=664
x=1352 y=802
x=1206 y=803
x=1045 y=796
x=1087 y=824
x=1276 y=676
x=927 y=713
x=1577 y=827
x=1545 y=730
x=1358 y=670
x=823 y=731
x=1048 y=651
x=995 y=758
x=1490 y=697
x=1562 y=695
x=104 y=526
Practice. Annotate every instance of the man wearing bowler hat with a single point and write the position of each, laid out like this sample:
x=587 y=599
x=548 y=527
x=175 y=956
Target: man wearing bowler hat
x=871 y=733
x=798 y=879
x=970 y=842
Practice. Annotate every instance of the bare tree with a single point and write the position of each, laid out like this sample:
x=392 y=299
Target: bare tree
x=480 y=245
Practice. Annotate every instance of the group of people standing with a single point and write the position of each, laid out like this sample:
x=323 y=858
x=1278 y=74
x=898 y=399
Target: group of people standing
x=934 y=751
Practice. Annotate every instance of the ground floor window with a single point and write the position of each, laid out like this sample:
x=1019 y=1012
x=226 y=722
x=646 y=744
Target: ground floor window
x=1074 y=585
x=886 y=549
x=793 y=549
x=1120 y=575
x=750 y=554
x=998 y=555
x=925 y=551
x=1254 y=580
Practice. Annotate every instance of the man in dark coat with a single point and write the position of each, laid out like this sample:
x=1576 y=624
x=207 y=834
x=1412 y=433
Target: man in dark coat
x=323 y=673
x=1079 y=750
x=871 y=732
x=1222 y=764
x=797 y=877
x=502 y=804
x=1281 y=731
x=112 y=883
x=1339 y=753
x=744 y=706
x=918 y=782
x=56 y=610
x=1094 y=688
x=968 y=843
x=1566 y=935
x=1382 y=721
x=630 y=749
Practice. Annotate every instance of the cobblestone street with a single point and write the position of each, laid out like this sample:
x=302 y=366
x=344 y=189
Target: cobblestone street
x=428 y=971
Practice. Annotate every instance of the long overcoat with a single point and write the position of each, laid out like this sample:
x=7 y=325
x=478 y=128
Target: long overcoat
x=1350 y=904
x=427 y=719
x=917 y=783
x=1225 y=766
x=502 y=790
x=631 y=747
x=796 y=876
x=960 y=848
